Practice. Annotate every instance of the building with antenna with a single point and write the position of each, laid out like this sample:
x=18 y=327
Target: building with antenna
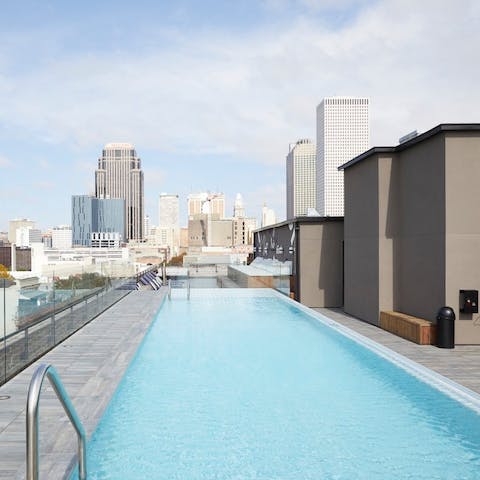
x=243 y=226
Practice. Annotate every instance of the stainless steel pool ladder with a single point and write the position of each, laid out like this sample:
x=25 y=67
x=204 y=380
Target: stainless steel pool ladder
x=33 y=400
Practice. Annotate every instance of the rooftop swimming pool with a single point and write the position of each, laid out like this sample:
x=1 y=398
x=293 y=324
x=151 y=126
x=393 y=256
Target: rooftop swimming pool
x=246 y=385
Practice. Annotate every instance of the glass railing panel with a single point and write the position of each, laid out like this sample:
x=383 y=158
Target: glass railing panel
x=37 y=338
x=272 y=275
x=3 y=322
x=37 y=315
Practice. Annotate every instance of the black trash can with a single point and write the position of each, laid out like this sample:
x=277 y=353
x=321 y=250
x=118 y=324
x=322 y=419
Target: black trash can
x=446 y=328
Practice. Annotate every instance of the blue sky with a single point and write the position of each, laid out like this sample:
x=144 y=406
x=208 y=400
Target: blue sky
x=211 y=93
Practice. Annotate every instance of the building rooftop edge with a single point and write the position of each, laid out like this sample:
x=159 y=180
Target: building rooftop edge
x=443 y=127
x=350 y=97
x=109 y=146
x=301 y=219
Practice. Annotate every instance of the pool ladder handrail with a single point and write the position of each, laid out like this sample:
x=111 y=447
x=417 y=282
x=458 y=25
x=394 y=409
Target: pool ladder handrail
x=33 y=399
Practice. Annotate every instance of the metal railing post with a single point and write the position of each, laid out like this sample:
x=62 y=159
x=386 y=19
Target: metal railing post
x=33 y=400
x=26 y=344
x=169 y=289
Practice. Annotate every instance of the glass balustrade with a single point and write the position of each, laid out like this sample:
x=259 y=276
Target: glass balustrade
x=38 y=313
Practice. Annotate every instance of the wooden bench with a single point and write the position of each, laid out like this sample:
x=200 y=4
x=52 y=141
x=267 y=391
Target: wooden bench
x=411 y=328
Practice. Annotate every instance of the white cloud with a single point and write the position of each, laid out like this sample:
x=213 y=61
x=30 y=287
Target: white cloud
x=249 y=96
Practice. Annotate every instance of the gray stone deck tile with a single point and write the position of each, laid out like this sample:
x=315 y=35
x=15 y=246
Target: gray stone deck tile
x=461 y=364
x=90 y=363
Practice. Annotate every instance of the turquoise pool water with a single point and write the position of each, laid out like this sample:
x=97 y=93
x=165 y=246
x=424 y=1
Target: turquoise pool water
x=253 y=388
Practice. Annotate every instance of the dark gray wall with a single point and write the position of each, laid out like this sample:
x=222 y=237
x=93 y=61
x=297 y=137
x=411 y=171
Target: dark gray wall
x=419 y=245
x=361 y=240
x=321 y=268
x=395 y=232
x=412 y=229
x=268 y=241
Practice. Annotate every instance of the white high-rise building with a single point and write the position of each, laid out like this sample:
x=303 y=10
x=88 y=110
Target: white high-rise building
x=343 y=132
x=301 y=178
x=146 y=225
x=168 y=231
x=62 y=237
x=119 y=175
x=168 y=210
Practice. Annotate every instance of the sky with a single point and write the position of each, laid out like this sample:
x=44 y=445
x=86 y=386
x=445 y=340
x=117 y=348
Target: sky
x=212 y=93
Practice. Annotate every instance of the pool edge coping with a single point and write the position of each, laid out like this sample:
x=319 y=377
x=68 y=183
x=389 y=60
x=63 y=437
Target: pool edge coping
x=453 y=389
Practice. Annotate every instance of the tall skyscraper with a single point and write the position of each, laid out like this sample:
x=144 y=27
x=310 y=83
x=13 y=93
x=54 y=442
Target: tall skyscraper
x=119 y=175
x=301 y=178
x=343 y=132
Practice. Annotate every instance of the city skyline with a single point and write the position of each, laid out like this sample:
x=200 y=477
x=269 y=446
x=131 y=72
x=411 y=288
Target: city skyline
x=204 y=95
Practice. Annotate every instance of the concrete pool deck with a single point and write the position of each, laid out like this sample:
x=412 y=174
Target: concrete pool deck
x=92 y=362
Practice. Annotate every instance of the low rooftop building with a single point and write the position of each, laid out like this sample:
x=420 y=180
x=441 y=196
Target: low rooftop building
x=312 y=248
x=412 y=228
